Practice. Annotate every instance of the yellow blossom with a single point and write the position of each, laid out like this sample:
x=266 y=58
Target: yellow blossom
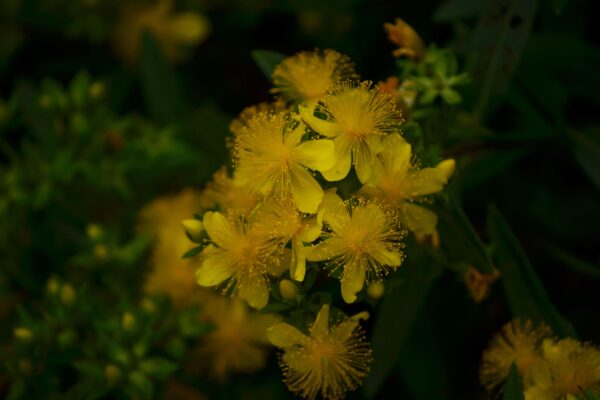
x=408 y=41
x=364 y=242
x=227 y=195
x=402 y=183
x=170 y=274
x=238 y=342
x=307 y=76
x=517 y=342
x=329 y=361
x=282 y=221
x=240 y=254
x=567 y=370
x=357 y=117
x=248 y=113
x=171 y=31
x=272 y=160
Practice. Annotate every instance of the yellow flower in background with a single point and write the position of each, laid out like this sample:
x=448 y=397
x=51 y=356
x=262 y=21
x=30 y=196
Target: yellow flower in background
x=273 y=161
x=567 y=370
x=171 y=30
x=518 y=342
x=226 y=194
x=281 y=220
x=170 y=274
x=329 y=361
x=238 y=124
x=401 y=183
x=364 y=243
x=307 y=76
x=357 y=118
x=408 y=41
x=238 y=342
x=241 y=255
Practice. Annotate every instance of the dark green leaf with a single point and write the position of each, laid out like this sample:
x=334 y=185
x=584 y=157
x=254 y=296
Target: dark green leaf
x=192 y=252
x=558 y=6
x=575 y=263
x=451 y=10
x=267 y=60
x=158 y=367
x=587 y=154
x=524 y=291
x=514 y=387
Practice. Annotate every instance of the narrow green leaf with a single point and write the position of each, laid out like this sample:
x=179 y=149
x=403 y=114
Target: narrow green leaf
x=587 y=154
x=575 y=263
x=459 y=239
x=524 y=291
x=267 y=60
x=192 y=252
x=514 y=387
x=395 y=318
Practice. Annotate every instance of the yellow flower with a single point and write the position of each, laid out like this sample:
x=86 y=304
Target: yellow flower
x=358 y=116
x=568 y=369
x=364 y=243
x=272 y=160
x=280 y=220
x=170 y=274
x=227 y=195
x=171 y=31
x=329 y=361
x=238 y=342
x=241 y=255
x=408 y=41
x=307 y=76
x=401 y=183
x=248 y=113
x=517 y=342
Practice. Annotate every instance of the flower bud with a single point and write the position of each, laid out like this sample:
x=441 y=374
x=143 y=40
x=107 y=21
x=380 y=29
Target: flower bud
x=288 y=289
x=128 y=321
x=52 y=286
x=193 y=227
x=96 y=90
x=101 y=252
x=376 y=290
x=23 y=334
x=147 y=304
x=67 y=294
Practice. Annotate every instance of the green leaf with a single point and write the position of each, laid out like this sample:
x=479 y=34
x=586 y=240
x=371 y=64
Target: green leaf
x=451 y=10
x=395 y=318
x=524 y=291
x=192 y=252
x=158 y=367
x=575 y=263
x=587 y=154
x=459 y=239
x=514 y=387
x=162 y=92
x=591 y=394
x=267 y=60
x=143 y=385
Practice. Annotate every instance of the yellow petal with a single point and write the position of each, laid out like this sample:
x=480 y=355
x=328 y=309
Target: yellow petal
x=254 y=290
x=321 y=324
x=326 y=250
x=293 y=137
x=280 y=264
x=389 y=258
x=367 y=165
x=343 y=160
x=284 y=335
x=352 y=281
x=215 y=268
x=447 y=167
x=400 y=157
x=316 y=154
x=219 y=229
x=298 y=264
x=312 y=229
x=343 y=330
x=424 y=182
x=306 y=191
x=417 y=219
x=325 y=128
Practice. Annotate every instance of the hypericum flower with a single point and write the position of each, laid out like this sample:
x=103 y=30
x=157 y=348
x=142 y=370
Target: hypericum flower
x=329 y=361
x=248 y=113
x=357 y=117
x=408 y=41
x=363 y=244
x=238 y=342
x=479 y=284
x=307 y=76
x=272 y=160
x=241 y=255
x=569 y=369
x=171 y=31
x=170 y=274
x=518 y=342
x=227 y=195
x=282 y=221
x=401 y=183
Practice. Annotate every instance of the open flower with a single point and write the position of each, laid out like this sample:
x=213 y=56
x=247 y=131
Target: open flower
x=408 y=41
x=364 y=243
x=518 y=342
x=227 y=195
x=357 y=117
x=241 y=255
x=329 y=361
x=568 y=369
x=309 y=75
x=238 y=124
x=272 y=160
x=402 y=183
x=282 y=221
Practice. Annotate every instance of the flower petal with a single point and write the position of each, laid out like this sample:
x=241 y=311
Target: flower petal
x=219 y=229
x=343 y=161
x=316 y=154
x=367 y=165
x=387 y=257
x=284 y=335
x=312 y=229
x=325 y=128
x=216 y=267
x=254 y=290
x=326 y=250
x=298 y=263
x=417 y=219
x=306 y=190
x=352 y=280
x=424 y=182
x=344 y=329
x=321 y=325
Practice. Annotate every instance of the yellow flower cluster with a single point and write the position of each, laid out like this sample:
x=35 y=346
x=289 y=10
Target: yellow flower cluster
x=550 y=368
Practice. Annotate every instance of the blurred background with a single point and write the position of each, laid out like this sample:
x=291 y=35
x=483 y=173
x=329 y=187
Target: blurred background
x=108 y=105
